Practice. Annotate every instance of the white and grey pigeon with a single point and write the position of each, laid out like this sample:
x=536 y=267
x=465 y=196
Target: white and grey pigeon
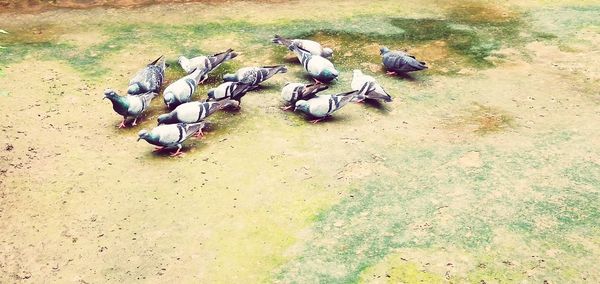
x=324 y=105
x=181 y=91
x=311 y=46
x=254 y=75
x=292 y=92
x=400 y=62
x=318 y=67
x=168 y=136
x=193 y=112
x=129 y=105
x=229 y=90
x=368 y=88
x=208 y=63
x=149 y=79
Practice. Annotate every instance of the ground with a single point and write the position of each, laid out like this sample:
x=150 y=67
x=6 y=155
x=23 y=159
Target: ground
x=484 y=169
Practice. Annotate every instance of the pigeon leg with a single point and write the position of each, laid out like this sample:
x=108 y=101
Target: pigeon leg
x=156 y=149
x=316 y=120
x=122 y=125
x=286 y=107
x=199 y=134
x=317 y=81
x=178 y=152
x=134 y=121
x=390 y=73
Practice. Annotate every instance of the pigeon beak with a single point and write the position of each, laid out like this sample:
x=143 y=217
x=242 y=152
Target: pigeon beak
x=138 y=140
x=104 y=98
x=295 y=108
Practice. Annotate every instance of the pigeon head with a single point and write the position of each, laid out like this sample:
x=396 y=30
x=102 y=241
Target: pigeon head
x=143 y=134
x=211 y=94
x=183 y=62
x=166 y=118
x=383 y=50
x=328 y=75
x=134 y=89
x=169 y=99
x=301 y=105
x=110 y=94
x=327 y=52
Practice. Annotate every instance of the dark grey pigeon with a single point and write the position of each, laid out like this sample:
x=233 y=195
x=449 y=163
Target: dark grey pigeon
x=129 y=105
x=400 y=62
x=170 y=135
x=193 y=112
x=254 y=75
x=148 y=79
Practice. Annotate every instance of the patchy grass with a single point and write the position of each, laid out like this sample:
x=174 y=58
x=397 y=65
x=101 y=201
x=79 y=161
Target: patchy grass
x=356 y=40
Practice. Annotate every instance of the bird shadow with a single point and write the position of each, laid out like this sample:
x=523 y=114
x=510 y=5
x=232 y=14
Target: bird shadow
x=329 y=119
x=291 y=60
x=405 y=76
x=375 y=104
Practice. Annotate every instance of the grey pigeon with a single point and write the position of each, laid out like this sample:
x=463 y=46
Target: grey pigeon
x=193 y=112
x=208 y=63
x=293 y=92
x=400 y=62
x=311 y=46
x=318 y=67
x=149 y=79
x=170 y=135
x=368 y=88
x=129 y=105
x=254 y=75
x=181 y=91
x=229 y=90
x=324 y=105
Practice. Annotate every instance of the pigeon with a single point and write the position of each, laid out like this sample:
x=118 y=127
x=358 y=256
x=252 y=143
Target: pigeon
x=323 y=106
x=318 y=67
x=170 y=135
x=254 y=75
x=229 y=90
x=193 y=112
x=149 y=79
x=208 y=63
x=400 y=62
x=368 y=88
x=293 y=92
x=129 y=105
x=181 y=91
x=313 y=47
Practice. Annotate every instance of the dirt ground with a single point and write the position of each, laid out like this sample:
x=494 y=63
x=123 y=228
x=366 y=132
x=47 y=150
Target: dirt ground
x=484 y=169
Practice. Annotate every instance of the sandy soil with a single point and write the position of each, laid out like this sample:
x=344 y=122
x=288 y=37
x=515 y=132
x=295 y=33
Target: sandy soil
x=479 y=173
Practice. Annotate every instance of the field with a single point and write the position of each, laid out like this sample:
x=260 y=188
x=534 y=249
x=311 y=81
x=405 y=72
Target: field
x=484 y=169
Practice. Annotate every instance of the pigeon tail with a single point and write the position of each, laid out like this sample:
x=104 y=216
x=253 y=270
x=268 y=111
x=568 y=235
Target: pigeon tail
x=221 y=57
x=160 y=62
x=312 y=89
x=276 y=69
x=193 y=128
x=228 y=103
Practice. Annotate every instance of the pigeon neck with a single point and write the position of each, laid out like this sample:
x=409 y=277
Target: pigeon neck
x=120 y=104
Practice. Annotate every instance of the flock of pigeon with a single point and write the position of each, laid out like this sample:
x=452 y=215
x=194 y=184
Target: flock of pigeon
x=186 y=117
